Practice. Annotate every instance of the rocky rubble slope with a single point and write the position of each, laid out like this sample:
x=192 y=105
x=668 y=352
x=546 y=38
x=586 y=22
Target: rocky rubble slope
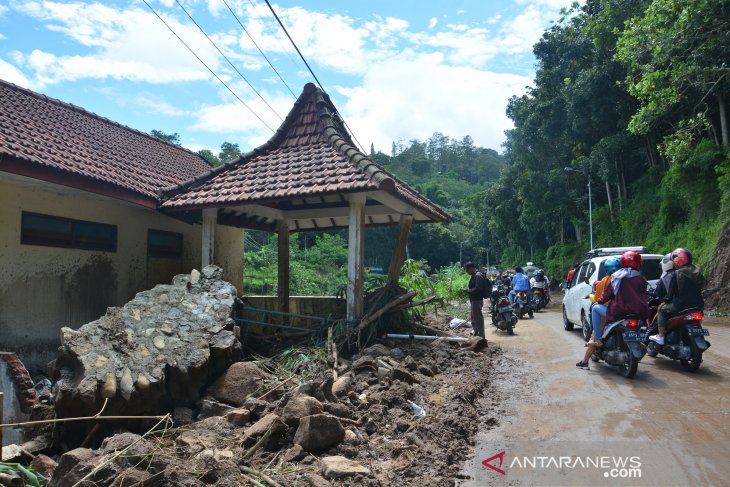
x=357 y=430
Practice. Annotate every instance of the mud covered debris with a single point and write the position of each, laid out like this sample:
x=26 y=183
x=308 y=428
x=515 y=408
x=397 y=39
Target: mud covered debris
x=356 y=431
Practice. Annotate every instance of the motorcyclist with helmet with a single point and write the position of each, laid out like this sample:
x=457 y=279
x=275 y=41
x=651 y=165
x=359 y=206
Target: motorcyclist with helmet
x=541 y=282
x=662 y=286
x=683 y=292
x=625 y=295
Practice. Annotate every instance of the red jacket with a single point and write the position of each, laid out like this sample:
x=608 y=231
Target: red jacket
x=570 y=275
x=631 y=299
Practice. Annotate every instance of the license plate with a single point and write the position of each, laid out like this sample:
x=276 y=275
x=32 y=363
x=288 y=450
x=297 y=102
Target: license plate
x=504 y=309
x=698 y=332
x=634 y=336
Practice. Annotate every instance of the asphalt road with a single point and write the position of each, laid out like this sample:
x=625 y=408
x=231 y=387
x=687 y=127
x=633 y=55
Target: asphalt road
x=558 y=425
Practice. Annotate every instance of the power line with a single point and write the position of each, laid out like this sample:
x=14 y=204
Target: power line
x=281 y=24
x=284 y=49
x=259 y=49
x=208 y=68
x=226 y=58
x=294 y=44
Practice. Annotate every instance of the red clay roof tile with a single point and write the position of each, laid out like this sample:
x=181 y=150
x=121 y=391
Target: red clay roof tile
x=46 y=132
x=311 y=154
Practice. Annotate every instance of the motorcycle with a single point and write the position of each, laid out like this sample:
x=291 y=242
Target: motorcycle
x=622 y=344
x=521 y=305
x=684 y=339
x=503 y=317
x=539 y=300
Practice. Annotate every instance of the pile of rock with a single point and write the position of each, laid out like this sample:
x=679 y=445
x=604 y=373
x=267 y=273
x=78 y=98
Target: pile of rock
x=358 y=429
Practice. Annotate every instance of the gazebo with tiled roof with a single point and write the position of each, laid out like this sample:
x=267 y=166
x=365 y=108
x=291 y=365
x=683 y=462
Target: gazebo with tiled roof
x=308 y=176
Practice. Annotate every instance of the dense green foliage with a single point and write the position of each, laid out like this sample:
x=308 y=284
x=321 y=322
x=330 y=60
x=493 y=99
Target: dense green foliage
x=630 y=96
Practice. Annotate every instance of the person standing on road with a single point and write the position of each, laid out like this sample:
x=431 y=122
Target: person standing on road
x=475 y=290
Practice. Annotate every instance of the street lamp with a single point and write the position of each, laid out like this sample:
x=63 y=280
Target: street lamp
x=590 y=203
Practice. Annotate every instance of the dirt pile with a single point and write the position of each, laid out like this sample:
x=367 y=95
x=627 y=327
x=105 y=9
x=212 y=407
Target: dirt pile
x=399 y=413
x=717 y=289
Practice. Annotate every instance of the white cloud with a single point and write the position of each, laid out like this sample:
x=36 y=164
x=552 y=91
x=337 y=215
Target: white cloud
x=234 y=121
x=157 y=105
x=432 y=23
x=412 y=96
x=464 y=45
x=2 y=37
x=126 y=44
x=10 y=73
x=522 y=32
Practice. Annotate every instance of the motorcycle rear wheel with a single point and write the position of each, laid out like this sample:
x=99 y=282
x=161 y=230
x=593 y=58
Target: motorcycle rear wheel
x=510 y=331
x=695 y=358
x=628 y=370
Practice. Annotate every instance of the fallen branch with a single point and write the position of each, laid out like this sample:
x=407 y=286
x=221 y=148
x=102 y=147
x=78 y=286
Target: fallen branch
x=420 y=302
x=370 y=318
x=260 y=474
x=255 y=482
x=249 y=453
x=278 y=386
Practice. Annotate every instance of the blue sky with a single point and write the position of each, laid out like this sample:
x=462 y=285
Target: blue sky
x=396 y=70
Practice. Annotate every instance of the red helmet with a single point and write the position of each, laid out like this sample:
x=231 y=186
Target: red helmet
x=681 y=257
x=631 y=259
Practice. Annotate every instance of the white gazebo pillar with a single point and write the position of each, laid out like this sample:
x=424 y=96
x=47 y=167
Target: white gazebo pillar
x=282 y=229
x=356 y=258
x=210 y=218
x=399 y=252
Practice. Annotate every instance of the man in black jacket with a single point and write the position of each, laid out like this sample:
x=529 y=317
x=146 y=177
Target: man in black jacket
x=684 y=292
x=477 y=284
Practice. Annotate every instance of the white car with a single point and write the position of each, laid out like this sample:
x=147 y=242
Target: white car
x=576 y=306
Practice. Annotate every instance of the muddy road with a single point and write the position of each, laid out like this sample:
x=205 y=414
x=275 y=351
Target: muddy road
x=559 y=425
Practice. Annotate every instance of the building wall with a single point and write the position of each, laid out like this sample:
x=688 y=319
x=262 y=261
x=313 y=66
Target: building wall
x=45 y=288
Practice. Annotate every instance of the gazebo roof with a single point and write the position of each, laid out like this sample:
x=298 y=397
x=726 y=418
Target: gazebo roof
x=304 y=174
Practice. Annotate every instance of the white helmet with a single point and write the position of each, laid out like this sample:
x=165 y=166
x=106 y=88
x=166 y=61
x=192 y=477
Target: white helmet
x=667 y=263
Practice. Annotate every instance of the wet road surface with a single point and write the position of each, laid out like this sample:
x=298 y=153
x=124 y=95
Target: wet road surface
x=559 y=425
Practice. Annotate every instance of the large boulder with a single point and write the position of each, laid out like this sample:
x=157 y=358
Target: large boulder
x=237 y=383
x=319 y=432
x=153 y=354
x=300 y=406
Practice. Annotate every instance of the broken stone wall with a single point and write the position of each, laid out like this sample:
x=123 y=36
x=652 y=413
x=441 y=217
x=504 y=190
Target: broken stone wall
x=44 y=288
x=156 y=352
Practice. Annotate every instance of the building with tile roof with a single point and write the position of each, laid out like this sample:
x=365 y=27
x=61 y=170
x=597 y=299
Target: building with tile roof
x=87 y=201
x=81 y=229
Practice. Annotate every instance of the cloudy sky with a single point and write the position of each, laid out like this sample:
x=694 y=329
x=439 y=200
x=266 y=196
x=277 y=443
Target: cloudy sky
x=396 y=69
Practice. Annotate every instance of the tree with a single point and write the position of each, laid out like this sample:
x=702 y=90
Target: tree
x=208 y=155
x=676 y=54
x=171 y=138
x=228 y=152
